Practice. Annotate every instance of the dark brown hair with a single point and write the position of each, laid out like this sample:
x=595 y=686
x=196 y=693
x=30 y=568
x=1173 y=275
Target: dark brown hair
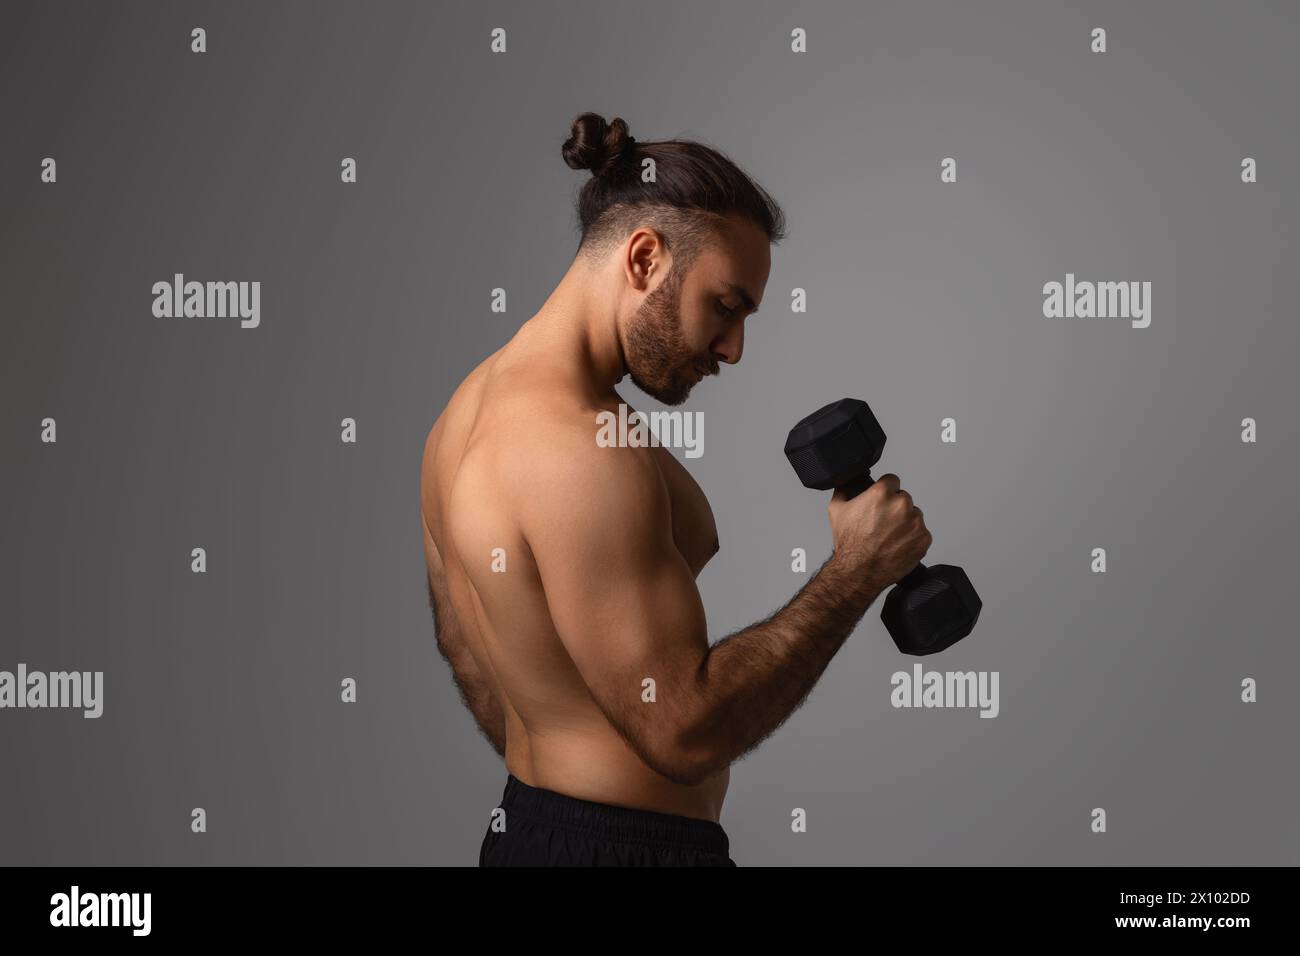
x=695 y=186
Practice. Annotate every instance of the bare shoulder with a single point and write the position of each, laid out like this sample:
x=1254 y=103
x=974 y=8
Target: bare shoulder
x=566 y=481
x=446 y=440
x=461 y=407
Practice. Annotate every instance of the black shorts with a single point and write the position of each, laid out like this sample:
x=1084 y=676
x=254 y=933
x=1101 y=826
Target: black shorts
x=545 y=828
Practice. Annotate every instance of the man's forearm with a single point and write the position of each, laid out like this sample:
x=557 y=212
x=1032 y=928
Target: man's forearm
x=750 y=682
x=475 y=693
x=477 y=697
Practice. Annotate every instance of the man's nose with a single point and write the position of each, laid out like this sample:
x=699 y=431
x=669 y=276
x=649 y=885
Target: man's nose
x=729 y=346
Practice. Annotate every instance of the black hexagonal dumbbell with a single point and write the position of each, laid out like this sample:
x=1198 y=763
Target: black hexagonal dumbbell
x=931 y=608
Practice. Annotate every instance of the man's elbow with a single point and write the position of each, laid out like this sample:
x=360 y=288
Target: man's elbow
x=693 y=773
x=687 y=759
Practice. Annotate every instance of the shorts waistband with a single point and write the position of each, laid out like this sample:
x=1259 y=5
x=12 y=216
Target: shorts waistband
x=618 y=824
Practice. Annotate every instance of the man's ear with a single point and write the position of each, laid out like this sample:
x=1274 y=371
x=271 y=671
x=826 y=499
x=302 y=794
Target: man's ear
x=646 y=259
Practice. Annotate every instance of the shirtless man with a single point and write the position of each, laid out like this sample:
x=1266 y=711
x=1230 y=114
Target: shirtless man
x=601 y=545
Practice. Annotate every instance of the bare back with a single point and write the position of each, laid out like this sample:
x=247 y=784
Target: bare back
x=475 y=479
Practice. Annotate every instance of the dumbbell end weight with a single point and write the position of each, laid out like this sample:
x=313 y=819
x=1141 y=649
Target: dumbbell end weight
x=931 y=609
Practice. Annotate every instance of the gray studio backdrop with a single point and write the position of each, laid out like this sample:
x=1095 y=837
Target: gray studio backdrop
x=1119 y=690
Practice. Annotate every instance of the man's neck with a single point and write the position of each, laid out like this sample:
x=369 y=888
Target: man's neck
x=578 y=321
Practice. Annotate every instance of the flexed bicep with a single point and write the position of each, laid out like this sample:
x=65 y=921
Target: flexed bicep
x=621 y=597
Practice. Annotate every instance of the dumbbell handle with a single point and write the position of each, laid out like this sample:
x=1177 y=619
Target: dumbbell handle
x=854 y=488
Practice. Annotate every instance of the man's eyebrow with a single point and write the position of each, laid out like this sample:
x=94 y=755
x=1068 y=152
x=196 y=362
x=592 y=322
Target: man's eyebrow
x=745 y=296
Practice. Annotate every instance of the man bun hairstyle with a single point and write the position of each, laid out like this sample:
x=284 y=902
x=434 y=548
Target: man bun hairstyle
x=597 y=145
x=695 y=187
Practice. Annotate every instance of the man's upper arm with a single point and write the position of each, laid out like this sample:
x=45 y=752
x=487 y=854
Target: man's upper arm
x=436 y=575
x=621 y=596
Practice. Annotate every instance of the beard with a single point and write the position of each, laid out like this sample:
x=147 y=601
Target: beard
x=659 y=361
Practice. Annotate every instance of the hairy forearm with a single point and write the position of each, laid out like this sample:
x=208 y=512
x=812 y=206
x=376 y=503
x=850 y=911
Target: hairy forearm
x=477 y=697
x=750 y=682
x=475 y=693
